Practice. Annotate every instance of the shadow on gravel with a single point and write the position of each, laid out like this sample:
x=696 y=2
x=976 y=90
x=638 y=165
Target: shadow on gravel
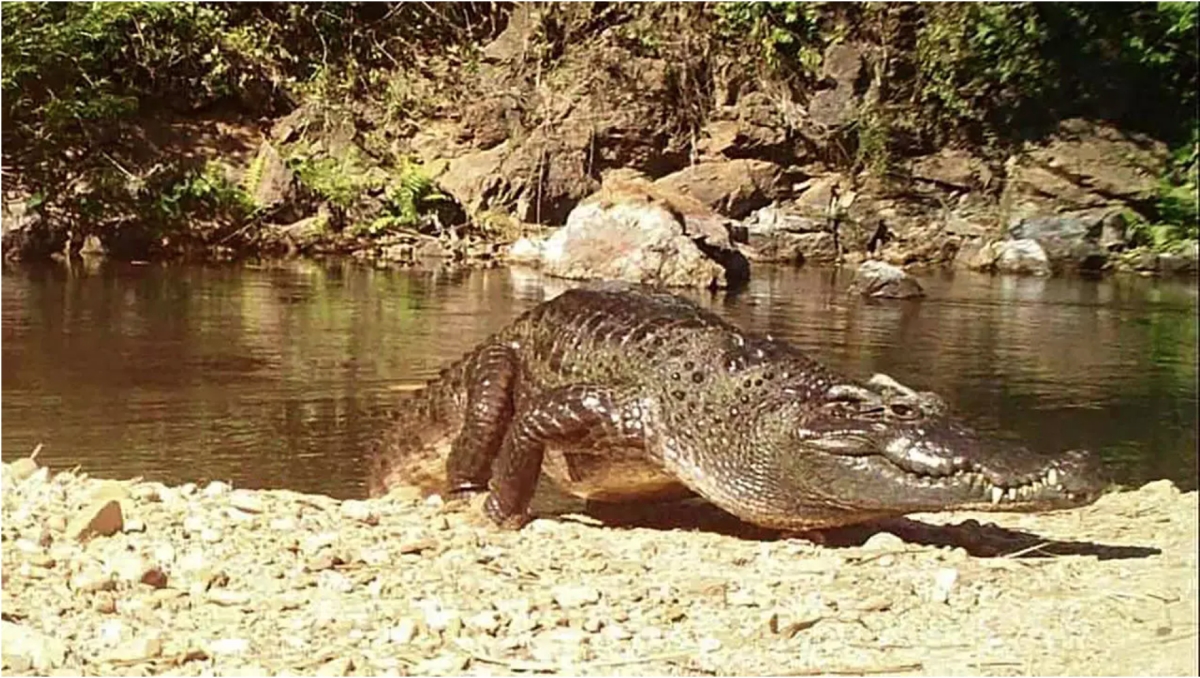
x=979 y=540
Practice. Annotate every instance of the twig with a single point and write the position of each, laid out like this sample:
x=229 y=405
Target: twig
x=857 y=670
x=1028 y=549
x=129 y=175
x=36 y=450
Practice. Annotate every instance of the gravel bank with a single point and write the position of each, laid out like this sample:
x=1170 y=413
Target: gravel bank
x=137 y=578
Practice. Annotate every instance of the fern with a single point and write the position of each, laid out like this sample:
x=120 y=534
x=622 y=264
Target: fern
x=254 y=173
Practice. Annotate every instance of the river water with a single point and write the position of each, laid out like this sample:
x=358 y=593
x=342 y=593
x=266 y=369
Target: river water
x=269 y=377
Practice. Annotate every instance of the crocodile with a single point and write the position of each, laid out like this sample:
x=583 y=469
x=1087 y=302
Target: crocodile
x=634 y=394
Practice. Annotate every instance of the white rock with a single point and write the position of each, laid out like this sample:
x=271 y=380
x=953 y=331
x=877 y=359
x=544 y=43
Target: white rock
x=136 y=650
x=38 y=649
x=246 y=501
x=229 y=646
x=403 y=632
x=361 y=511
x=943 y=583
x=228 y=598
x=216 y=488
x=573 y=596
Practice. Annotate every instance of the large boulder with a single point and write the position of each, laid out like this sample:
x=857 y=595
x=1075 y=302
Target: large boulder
x=879 y=279
x=783 y=233
x=1022 y=257
x=629 y=231
x=734 y=188
x=1068 y=192
x=842 y=67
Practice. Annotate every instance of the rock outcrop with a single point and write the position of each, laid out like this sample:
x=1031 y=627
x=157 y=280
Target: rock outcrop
x=634 y=231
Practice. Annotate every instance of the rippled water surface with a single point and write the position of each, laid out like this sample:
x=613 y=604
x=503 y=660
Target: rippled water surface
x=268 y=377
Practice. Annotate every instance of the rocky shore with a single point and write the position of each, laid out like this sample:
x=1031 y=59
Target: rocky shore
x=106 y=577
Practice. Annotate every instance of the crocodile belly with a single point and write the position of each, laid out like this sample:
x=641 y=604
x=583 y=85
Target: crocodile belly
x=611 y=474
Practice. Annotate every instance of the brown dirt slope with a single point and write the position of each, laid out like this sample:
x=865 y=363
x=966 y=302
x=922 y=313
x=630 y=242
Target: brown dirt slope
x=221 y=581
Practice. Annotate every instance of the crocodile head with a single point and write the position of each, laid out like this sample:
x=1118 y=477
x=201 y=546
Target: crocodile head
x=883 y=449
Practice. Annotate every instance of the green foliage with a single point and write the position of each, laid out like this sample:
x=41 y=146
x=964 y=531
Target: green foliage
x=209 y=190
x=1005 y=69
x=1176 y=211
x=66 y=64
x=786 y=33
x=411 y=194
x=339 y=180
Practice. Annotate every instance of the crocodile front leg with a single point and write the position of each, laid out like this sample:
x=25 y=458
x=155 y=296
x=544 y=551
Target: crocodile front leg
x=578 y=417
x=489 y=411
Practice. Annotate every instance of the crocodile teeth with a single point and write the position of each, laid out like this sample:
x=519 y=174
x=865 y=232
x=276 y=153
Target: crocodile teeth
x=1052 y=477
x=997 y=494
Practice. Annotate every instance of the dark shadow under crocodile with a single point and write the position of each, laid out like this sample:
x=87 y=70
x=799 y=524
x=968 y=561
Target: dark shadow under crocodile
x=982 y=540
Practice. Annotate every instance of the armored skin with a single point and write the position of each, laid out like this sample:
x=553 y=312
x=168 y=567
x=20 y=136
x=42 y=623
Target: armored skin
x=628 y=394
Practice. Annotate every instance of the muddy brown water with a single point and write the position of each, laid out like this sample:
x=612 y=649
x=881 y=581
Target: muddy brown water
x=271 y=377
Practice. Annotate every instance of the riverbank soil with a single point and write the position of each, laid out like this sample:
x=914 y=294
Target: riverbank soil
x=109 y=577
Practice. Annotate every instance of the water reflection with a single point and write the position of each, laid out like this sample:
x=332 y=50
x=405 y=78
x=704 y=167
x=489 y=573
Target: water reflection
x=272 y=376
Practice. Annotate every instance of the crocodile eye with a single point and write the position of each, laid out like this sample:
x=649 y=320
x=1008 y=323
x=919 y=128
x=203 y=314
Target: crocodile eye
x=903 y=411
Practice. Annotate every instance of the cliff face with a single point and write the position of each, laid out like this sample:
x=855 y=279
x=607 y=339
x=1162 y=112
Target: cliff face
x=893 y=132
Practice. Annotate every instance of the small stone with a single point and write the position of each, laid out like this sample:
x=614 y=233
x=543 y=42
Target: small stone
x=313 y=543
x=133 y=568
x=216 y=488
x=229 y=646
x=22 y=468
x=246 y=501
x=211 y=535
x=709 y=644
x=615 y=632
x=592 y=624
x=104 y=602
x=110 y=632
x=90 y=581
x=883 y=541
x=361 y=511
x=164 y=553
x=101 y=518
x=570 y=597
x=41 y=559
x=403 y=632
x=325 y=561
x=146 y=493
x=416 y=545
x=134 y=525
x=487 y=622
x=194 y=524
x=39 y=650
x=285 y=524
x=943 y=583
x=228 y=598
x=342 y=666
x=56 y=523
x=187 y=489
x=136 y=650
